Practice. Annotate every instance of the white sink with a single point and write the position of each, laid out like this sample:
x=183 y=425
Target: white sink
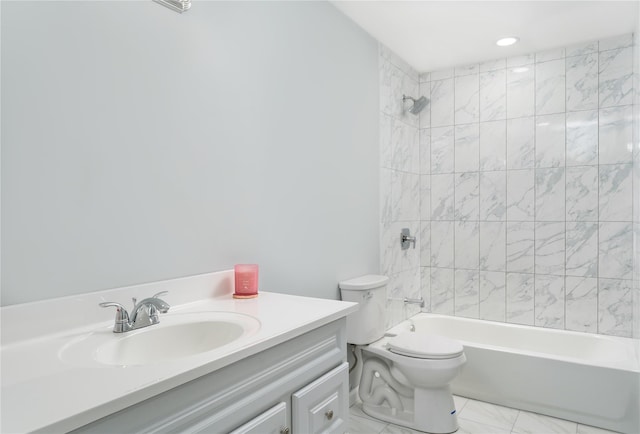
x=175 y=337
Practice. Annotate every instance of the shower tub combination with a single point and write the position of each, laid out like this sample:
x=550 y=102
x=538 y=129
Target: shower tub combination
x=586 y=378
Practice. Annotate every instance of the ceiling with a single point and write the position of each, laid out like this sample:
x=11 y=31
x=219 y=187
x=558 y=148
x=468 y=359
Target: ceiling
x=432 y=35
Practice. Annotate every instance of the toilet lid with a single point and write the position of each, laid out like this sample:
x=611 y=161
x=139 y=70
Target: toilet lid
x=423 y=346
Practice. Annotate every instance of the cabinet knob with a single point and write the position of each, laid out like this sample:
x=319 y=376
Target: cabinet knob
x=285 y=430
x=329 y=414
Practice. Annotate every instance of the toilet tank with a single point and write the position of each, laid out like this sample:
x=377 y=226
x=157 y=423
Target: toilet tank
x=369 y=322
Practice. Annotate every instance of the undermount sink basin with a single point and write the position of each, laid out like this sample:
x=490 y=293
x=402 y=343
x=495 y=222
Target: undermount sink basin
x=175 y=337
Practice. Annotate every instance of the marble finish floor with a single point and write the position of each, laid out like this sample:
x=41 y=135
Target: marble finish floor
x=477 y=417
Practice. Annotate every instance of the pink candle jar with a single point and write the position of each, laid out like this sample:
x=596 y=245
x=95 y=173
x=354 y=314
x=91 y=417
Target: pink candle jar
x=246 y=280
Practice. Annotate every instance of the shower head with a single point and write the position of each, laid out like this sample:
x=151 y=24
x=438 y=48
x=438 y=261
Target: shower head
x=418 y=104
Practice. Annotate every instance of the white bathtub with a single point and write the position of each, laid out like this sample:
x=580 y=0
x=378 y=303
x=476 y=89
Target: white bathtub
x=586 y=378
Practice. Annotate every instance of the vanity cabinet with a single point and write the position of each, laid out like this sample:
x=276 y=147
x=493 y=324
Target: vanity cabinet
x=297 y=386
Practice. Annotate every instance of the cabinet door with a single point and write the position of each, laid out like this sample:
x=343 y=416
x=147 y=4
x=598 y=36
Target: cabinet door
x=272 y=421
x=323 y=405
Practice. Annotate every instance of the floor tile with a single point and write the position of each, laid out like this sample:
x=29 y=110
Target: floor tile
x=586 y=429
x=459 y=402
x=472 y=427
x=489 y=414
x=533 y=423
x=362 y=425
x=395 y=429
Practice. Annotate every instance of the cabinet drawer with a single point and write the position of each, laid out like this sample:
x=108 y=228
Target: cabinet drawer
x=323 y=405
x=272 y=421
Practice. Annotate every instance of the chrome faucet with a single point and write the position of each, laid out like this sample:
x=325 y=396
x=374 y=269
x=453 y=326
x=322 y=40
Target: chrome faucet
x=144 y=313
x=419 y=301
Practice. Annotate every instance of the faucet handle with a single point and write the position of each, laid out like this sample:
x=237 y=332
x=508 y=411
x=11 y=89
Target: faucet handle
x=122 y=316
x=161 y=293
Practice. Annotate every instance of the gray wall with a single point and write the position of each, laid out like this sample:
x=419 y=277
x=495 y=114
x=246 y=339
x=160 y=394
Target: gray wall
x=139 y=144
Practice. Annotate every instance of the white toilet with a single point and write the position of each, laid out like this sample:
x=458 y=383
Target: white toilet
x=405 y=378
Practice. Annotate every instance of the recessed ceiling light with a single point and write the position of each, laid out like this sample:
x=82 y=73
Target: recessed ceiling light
x=505 y=42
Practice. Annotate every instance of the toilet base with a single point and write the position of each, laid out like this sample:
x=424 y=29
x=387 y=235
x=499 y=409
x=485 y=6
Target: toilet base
x=431 y=411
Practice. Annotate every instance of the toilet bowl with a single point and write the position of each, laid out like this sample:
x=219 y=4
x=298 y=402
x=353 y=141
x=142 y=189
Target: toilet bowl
x=405 y=378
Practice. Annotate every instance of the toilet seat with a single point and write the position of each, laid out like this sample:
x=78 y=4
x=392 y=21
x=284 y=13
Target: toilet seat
x=423 y=346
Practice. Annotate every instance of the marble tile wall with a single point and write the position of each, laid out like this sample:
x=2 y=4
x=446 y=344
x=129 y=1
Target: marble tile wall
x=636 y=187
x=400 y=184
x=522 y=194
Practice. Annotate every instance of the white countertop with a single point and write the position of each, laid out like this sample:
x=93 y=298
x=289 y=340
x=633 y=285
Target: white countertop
x=41 y=391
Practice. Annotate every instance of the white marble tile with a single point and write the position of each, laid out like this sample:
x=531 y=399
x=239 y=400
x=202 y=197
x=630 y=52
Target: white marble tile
x=424 y=117
x=390 y=257
x=389 y=55
x=385 y=195
x=405 y=147
x=467 y=301
x=442 y=103
x=489 y=414
x=467 y=99
x=520 y=301
x=467 y=147
x=405 y=196
x=549 y=301
x=615 y=77
x=615 y=250
x=493 y=145
x=425 y=197
x=467 y=69
x=582 y=193
x=386 y=149
x=520 y=143
x=581 y=304
x=550 y=194
x=493 y=95
x=384 y=73
x=409 y=258
x=582 y=82
x=582 y=49
x=425 y=77
x=395 y=429
x=492 y=65
x=467 y=245
x=615 y=307
x=425 y=245
x=582 y=138
x=520 y=247
x=520 y=195
x=550 y=140
x=459 y=402
x=520 y=92
x=616 y=135
x=615 y=192
x=550 y=248
x=442 y=150
x=466 y=203
x=586 y=429
x=533 y=423
x=425 y=151
x=582 y=249
x=616 y=42
x=516 y=61
x=441 y=74
x=493 y=245
x=442 y=234
x=442 y=203
x=361 y=425
x=493 y=196
x=493 y=295
x=442 y=290
x=550 y=87
x=473 y=427
x=425 y=287
x=545 y=56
